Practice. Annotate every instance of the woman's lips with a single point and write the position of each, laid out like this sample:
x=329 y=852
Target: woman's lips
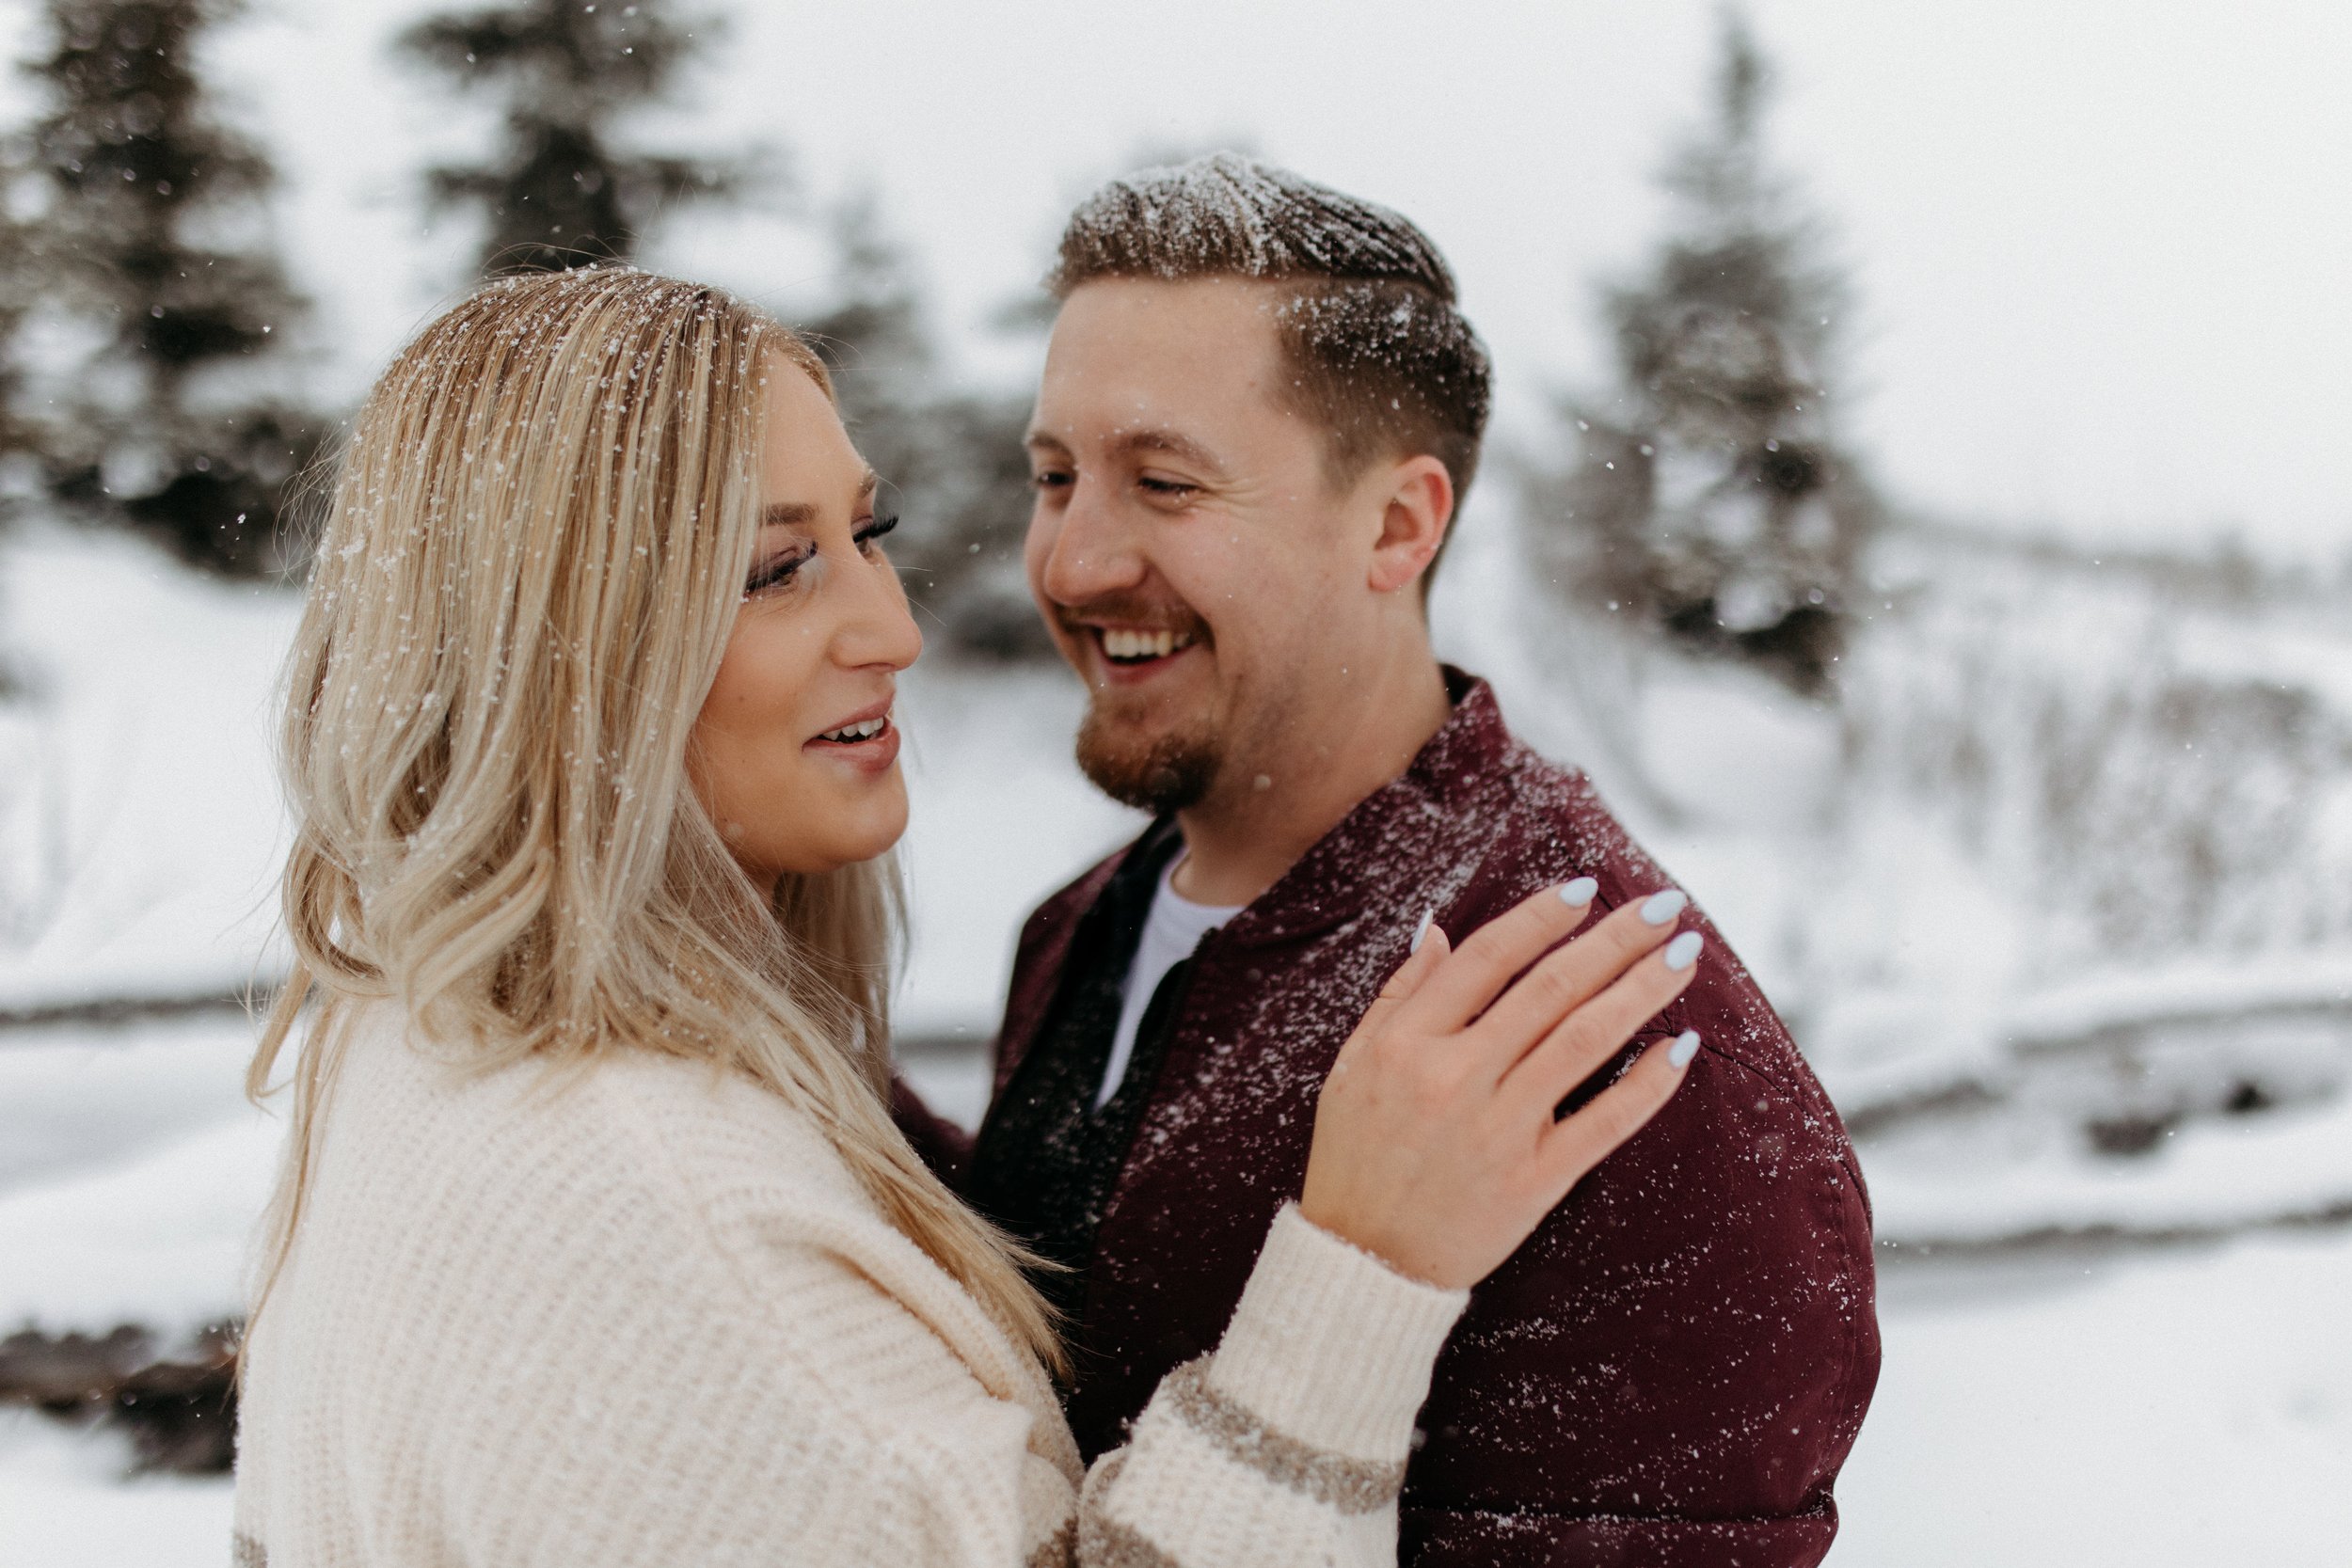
x=865 y=741
x=873 y=753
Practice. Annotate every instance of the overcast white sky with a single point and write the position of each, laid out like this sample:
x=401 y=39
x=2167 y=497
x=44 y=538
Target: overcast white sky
x=2103 y=248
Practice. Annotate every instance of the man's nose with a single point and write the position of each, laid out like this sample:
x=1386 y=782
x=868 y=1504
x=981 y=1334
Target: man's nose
x=1091 y=552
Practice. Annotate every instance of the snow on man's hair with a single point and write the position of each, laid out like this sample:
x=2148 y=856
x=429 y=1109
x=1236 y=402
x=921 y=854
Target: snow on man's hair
x=1382 y=356
x=1225 y=213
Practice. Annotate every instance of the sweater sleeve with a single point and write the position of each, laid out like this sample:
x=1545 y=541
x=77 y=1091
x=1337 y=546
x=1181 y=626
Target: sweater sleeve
x=650 y=1317
x=811 y=1388
x=1285 y=1445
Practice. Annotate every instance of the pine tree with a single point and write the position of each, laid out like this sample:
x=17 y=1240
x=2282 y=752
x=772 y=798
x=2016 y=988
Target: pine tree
x=147 y=357
x=951 y=458
x=559 y=190
x=1709 y=500
x=21 y=291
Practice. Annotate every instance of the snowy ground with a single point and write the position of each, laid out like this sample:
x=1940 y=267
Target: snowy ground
x=2180 y=1404
x=64 y=1504
x=2177 y=1408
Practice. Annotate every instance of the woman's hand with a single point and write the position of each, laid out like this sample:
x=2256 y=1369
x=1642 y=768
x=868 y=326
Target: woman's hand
x=1435 y=1148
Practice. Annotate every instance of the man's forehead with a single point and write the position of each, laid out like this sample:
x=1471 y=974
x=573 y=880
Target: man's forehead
x=1143 y=361
x=1184 y=317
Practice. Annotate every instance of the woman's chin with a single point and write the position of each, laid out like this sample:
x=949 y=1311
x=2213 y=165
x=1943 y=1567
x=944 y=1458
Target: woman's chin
x=853 y=834
x=890 y=823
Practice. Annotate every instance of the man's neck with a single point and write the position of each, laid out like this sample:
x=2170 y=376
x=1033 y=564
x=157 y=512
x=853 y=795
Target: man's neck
x=1242 y=839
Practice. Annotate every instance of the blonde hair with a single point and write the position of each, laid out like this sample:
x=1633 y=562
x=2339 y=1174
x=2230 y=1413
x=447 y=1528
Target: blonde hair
x=529 y=570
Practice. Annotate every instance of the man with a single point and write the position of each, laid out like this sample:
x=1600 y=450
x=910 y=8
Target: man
x=1259 y=413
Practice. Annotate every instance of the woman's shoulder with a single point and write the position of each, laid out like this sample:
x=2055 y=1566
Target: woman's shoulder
x=740 y=1152
x=626 y=1139
x=683 y=1190
x=633 y=1254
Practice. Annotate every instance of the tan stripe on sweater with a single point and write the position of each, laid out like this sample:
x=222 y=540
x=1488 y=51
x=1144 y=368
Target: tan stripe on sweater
x=1106 y=1542
x=1350 y=1485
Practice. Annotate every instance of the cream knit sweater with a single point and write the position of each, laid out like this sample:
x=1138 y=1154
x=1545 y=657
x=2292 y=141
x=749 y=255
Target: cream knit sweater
x=643 y=1315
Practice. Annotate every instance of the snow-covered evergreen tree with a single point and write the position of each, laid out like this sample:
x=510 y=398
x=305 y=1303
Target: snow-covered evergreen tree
x=951 y=457
x=1709 y=500
x=560 y=189
x=19 y=291
x=148 y=315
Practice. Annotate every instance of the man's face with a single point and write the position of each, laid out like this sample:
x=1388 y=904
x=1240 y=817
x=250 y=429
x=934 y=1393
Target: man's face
x=1192 y=559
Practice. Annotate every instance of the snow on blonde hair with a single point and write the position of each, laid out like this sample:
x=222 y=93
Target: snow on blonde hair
x=529 y=567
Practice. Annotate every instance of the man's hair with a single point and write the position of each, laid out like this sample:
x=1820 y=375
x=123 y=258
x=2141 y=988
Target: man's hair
x=1379 y=355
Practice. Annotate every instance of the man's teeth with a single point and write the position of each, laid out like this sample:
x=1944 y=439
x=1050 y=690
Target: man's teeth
x=852 y=734
x=1121 y=643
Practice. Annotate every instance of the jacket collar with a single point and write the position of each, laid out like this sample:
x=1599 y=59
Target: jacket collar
x=1347 y=872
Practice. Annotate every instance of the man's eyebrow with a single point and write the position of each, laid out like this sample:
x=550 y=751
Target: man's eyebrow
x=1168 y=441
x=802 y=514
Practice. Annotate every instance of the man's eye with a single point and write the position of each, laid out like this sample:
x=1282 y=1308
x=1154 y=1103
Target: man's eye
x=774 y=572
x=1170 y=487
x=874 y=530
x=1050 y=478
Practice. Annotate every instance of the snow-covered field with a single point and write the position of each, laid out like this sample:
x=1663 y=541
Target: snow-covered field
x=64 y=1504
x=2185 y=1407
x=2178 y=1403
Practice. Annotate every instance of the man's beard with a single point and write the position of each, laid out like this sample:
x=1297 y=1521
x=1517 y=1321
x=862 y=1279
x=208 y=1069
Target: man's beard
x=1163 y=774
x=1160 y=774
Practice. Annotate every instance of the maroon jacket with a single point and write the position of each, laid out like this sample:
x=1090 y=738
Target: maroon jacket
x=1673 y=1368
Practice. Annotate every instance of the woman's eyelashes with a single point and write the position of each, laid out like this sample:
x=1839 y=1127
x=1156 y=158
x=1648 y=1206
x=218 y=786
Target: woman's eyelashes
x=776 y=570
x=779 y=570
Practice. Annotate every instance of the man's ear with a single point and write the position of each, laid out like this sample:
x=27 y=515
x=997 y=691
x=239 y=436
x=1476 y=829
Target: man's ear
x=1419 y=509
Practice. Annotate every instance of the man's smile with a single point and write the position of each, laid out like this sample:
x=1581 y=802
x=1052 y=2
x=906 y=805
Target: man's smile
x=1132 y=645
x=1141 y=656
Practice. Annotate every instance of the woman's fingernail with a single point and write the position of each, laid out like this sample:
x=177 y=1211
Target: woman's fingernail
x=1683 y=951
x=1686 y=1046
x=1658 y=908
x=1422 y=930
x=1579 y=892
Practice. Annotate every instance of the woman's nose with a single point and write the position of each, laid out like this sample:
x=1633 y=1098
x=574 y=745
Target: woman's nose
x=878 y=628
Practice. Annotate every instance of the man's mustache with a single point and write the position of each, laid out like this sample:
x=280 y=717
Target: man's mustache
x=1132 y=613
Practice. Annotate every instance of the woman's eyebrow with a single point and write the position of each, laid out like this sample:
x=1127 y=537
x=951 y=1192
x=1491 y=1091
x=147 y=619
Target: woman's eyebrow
x=802 y=514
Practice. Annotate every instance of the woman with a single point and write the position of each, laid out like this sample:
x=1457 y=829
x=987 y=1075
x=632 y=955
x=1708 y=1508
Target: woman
x=597 y=1244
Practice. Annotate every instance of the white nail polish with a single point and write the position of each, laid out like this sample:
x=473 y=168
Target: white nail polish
x=1686 y=1046
x=1422 y=930
x=1658 y=908
x=1579 y=892
x=1683 y=951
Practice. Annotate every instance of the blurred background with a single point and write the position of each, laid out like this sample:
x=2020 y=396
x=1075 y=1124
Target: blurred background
x=1920 y=495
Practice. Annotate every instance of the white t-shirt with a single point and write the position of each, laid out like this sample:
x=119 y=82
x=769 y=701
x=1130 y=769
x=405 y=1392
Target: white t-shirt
x=1170 y=932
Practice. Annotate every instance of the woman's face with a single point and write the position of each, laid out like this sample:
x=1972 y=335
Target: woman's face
x=795 y=754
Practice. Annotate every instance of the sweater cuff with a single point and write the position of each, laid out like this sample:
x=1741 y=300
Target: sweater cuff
x=1330 y=1346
